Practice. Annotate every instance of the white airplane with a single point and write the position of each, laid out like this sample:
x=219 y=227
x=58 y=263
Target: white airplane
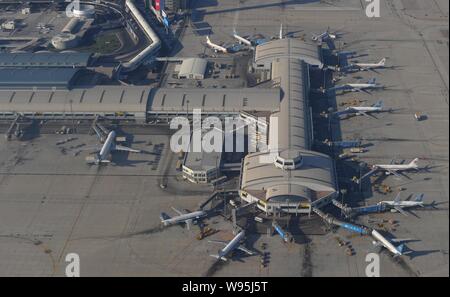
x=242 y=40
x=109 y=146
x=235 y=243
x=398 y=205
x=393 y=168
x=215 y=47
x=356 y=87
x=363 y=110
x=395 y=205
x=323 y=36
x=186 y=218
x=367 y=66
x=380 y=240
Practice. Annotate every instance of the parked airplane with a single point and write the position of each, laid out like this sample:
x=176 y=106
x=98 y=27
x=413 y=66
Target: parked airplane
x=324 y=35
x=380 y=240
x=186 y=218
x=285 y=236
x=393 y=168
x=109 y=146
x=242 y=40
x=398 y=205
x=366 y=66
x=395 y=205
x=363 y=110
x=235 y=243
x=215 y=47
x=356 y=87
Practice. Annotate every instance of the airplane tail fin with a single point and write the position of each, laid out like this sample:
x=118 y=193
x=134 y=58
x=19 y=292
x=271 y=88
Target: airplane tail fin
x=382 y=62
x=164 y=216
x=419 y=197
x=378 y=103
x=96 y=160
x=372 y=81
x=207 y=39
x=414 y=162
x=401 y=248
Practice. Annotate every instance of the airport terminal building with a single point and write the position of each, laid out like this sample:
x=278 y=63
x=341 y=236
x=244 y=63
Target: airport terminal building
x=294 y=181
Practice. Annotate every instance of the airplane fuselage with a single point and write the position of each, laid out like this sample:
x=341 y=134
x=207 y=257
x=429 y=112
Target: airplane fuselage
x=242 y=40
x=354 y=87
x=397 y=167
x=357 y=109
x=369 y=66
x=216 y=47
x=231 y=245
x=403 y=204
x=185 y=217
x=386 y=243
x=107 y=146
x=324 y=35
x=362 y=86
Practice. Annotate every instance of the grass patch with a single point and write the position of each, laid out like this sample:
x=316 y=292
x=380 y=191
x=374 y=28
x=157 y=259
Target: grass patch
x=103 y=44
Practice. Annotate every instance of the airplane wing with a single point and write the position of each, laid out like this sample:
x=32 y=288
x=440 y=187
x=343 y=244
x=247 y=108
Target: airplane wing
x=188 y=224
x=125 y=149
x=379 y=103
x=394 y=172
x=368 y=173
x=368 y=115
x=339 y=113
x=177 y=211
x=245 y=250
x=218 y=241
x=399 y=174
x=98 y=132
x=365 y=91
x=399 y=240
x=397 y=198
x=337 y=88
x=400 y=210
x=219 y=257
